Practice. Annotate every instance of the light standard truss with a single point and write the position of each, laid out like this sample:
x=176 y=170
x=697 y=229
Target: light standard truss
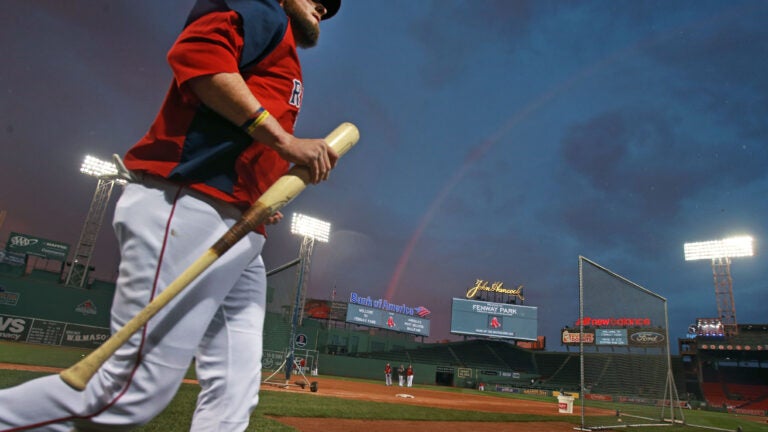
x=720 y=252
x=107 y=174
x=310 y=229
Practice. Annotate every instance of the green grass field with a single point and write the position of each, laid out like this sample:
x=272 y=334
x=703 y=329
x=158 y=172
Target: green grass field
x=177 y=415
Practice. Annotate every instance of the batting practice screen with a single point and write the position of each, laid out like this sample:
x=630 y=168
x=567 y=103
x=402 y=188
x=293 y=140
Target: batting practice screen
x=500 y=320
x=624 y=350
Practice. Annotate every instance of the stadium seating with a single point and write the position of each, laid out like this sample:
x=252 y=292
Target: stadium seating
x=565 y=376
x=479 y=355
x=438 y=355
x=715 y=394
x=517 y=359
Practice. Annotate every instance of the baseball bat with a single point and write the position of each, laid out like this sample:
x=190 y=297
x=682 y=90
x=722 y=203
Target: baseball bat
x=283 y=191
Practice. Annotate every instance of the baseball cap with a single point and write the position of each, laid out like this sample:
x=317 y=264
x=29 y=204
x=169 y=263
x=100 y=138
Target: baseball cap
x=331 y=6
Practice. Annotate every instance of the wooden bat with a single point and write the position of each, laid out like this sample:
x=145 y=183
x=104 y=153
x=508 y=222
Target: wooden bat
x=285 y=189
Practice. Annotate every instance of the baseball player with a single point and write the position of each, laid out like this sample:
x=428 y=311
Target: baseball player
x=388 y=375
x=409 y=376
x=223 y=135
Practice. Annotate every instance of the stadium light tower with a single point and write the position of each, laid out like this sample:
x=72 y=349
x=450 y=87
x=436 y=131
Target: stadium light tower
x=311 y=230
x=107 y=174
x=720 y=253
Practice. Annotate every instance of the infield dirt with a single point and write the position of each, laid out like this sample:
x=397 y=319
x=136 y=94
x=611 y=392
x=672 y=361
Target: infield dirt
x=479 y=402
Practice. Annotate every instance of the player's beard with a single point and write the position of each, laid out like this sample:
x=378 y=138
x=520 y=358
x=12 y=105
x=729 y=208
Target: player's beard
x=305 y=31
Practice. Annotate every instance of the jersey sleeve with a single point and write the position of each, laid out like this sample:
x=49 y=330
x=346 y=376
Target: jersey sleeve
x=226 y=36
x=211 y=44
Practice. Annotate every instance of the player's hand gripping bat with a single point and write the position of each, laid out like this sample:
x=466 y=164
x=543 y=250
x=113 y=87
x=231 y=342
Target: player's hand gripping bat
x=285 y=189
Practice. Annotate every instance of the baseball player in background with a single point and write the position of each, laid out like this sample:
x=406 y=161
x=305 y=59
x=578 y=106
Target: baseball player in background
x=388 y=375
x=223 y=135
x=409 y=376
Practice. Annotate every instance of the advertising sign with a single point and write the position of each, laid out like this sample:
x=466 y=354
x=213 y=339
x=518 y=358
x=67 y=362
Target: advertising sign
x=29 y=245
x=47 y=332
x=324 y=309
x=14 y=328
x=82 y=336
x=12 y=259
x=8 y=298
x=653 y=337
x=489 y=319
x=373 y=317
x=615 y=337
x=573 y=336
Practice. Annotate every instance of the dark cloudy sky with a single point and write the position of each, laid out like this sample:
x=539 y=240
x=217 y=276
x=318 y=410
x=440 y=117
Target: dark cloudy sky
x=501 y=139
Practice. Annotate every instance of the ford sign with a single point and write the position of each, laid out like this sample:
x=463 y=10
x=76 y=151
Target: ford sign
x=647 y=338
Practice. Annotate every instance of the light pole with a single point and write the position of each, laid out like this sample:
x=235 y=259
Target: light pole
x=720 y=253
x=310 y=230
x=107 y=174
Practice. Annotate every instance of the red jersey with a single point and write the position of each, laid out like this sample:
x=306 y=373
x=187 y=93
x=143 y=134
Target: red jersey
x=188 y=142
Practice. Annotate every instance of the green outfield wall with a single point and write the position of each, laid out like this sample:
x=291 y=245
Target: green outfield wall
x=354 y=367
x=40 y=295
x=37 y=308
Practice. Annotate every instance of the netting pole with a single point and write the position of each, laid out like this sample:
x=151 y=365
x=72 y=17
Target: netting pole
x=581 y=340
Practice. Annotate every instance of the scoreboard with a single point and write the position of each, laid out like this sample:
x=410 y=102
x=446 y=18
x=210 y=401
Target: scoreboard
x=379 y=318
x=611 y=336
x=501 y=320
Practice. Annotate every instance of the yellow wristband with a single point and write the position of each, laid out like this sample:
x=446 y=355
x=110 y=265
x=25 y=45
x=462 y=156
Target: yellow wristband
x=258 y=118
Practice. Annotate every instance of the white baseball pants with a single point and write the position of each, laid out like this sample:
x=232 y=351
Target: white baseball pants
x=218 y=320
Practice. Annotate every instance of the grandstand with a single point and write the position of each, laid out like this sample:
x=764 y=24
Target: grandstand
x=558 y=370
x=728 y=372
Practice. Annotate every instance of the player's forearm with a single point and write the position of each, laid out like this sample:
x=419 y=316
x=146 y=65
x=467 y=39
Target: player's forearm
x=228 y=95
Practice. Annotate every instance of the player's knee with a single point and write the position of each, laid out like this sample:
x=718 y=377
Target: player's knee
x=128 y=413
x=122 y=424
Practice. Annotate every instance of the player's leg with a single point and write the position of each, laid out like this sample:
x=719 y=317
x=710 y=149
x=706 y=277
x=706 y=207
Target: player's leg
x=144 y=375
x=48 y=402
x=228 y=360
x=44 y=404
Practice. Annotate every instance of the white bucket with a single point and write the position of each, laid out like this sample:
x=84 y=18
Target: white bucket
x=565 y=404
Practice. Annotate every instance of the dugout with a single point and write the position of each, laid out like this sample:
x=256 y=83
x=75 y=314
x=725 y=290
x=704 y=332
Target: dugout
x=444 y=376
